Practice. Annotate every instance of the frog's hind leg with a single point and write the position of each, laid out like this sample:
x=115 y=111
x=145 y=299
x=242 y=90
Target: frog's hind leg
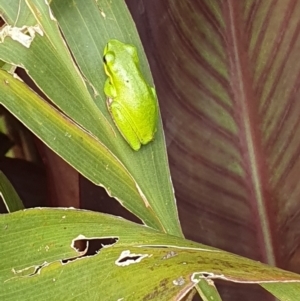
x=124 y=124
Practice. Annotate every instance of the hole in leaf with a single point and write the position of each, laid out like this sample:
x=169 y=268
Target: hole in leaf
x=90 y=246
x=127 y=258
x=86 y=247
x=93 y=246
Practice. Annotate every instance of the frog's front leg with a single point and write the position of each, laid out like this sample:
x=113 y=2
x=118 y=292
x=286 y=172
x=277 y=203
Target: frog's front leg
x=109 y=89
x=124 y=123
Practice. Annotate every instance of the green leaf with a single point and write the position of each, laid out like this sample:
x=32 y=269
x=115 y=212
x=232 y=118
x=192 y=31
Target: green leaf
x=49 y=63
x=9 y=196
x=284 y=291
x=208 y=291
x=136 y=261
x=92 y=34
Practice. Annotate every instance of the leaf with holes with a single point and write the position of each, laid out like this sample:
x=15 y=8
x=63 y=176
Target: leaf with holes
x=100 y=257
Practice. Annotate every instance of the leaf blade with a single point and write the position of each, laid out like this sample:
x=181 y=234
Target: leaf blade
x=169 y=262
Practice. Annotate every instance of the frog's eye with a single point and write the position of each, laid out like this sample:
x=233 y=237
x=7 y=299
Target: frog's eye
x=108 y=58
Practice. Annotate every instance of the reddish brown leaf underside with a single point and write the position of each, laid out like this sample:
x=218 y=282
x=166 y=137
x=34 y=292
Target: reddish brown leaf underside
x=228 y=82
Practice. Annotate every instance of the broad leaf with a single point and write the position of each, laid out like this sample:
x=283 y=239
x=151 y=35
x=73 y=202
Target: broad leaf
x=132 y=262
x=228 y=72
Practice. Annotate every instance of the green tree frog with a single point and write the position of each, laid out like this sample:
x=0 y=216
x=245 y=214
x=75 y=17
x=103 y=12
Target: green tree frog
x=132 y=103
